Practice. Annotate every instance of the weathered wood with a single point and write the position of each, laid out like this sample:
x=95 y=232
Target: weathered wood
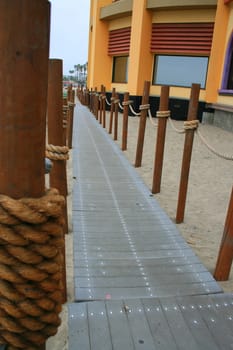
x=104 y=106
x=23 y=96
x=24 y=43
x=57 y=176
x=142 y=125
x=225 y=255
x=187 y=153
x=112 y=110
x=71 y=118
x=101 y=105
x=115 y=133
x=160 y=141
x=125 y=122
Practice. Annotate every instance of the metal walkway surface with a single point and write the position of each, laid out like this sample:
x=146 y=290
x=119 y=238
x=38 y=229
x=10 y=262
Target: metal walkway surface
x=130 y=261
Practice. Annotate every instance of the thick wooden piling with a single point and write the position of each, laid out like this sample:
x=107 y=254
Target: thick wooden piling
x=225 y=256
x=23 y=96
x=24 y=43
x=125 y=122
x=160 y=141
x=142 y=125
x=187 y=153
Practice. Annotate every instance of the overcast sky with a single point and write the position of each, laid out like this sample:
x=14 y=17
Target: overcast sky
x=69 y=32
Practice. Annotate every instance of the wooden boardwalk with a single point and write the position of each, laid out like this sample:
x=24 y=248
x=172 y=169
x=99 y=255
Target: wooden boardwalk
x=138 y=285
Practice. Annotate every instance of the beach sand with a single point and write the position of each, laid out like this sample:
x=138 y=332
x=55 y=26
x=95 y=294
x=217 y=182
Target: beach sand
x=209 y=190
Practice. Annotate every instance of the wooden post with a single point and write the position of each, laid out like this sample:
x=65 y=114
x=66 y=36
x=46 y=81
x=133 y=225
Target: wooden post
x=112 y=109
x=71 y=105
x=115 y=135
x=125 y=121
x=101 y=104
x=225 y=255
x=57 y=176
x=142 y=125
x=24 y=43
x=160 y=141
x=96 y=104
x=104 y=107
x=187 y=154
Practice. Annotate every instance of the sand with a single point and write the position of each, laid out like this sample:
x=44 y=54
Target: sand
x=209 y=190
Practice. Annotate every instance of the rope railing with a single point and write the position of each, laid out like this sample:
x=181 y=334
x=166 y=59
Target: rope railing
x=212 y=149
x=166 y=114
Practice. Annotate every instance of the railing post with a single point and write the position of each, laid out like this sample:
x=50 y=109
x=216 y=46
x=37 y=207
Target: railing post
x=125 y=121
x=187 y=153
x=160 y=141
x=104 y=106
x=225 y=255
x=71 y=105
x=112 y=109
x=116 y=101
x=142 y=125
x=55 y=137
x=101 y=105
x=97 y=105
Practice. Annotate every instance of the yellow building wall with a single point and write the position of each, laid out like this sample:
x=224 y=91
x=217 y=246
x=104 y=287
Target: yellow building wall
x=183 y=16
x=120 y=23
x=217 y=57
x=98 y=48
x=141 y=60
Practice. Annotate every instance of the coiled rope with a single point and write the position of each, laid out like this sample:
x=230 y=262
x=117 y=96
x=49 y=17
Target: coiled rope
x=57 y=152
x=30 y=269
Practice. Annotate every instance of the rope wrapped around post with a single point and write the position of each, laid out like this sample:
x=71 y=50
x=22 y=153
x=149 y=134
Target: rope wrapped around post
x=30 y=269
x=163 y=114
x=57 y=152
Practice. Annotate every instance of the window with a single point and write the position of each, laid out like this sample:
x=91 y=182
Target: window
x=120 y=69
x=180 y=70
x=227 y=82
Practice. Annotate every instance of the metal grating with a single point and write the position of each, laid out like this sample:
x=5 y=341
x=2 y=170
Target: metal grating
x=125 y=246
x=194 y=323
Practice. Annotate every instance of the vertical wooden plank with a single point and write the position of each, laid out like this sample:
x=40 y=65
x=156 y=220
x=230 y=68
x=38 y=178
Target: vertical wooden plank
x=115 y=135
x=104 y=107
x=58 y=178
x=225 y=255
x=160 y=141
x=24 y=42
x=187 y=154
x=142 y=125
x=112 y=110
x=125 y=122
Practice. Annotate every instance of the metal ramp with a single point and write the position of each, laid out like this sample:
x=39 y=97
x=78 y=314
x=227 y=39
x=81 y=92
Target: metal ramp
x=128 y=256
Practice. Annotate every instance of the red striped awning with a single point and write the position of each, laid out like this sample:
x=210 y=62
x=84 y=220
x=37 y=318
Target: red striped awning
x=182 y=38
x=119 y=41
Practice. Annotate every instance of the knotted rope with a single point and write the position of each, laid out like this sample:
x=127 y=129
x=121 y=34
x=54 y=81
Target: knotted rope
x=30 y=269
x=57 y=152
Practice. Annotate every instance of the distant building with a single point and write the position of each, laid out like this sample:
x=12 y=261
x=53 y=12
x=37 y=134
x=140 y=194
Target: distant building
x=168 y=42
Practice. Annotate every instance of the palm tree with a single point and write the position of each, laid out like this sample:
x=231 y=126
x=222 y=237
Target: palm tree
x=71 y=72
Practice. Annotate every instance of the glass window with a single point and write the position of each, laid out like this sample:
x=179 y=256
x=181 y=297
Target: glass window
x=120 y=69
x=180 y=70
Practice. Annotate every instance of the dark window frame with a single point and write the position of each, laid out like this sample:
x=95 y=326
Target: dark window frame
x=125 y=80
x=178 y=85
